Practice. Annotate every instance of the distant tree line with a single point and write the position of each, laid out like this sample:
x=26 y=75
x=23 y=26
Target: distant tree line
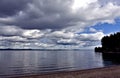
x=110 y=43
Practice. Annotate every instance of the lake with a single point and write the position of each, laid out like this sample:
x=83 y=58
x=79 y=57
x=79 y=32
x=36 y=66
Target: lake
x=15 y=62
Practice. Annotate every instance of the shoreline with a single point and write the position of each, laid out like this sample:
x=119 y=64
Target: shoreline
x=103 y=72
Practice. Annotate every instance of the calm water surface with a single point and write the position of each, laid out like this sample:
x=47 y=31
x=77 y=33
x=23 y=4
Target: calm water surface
x=14 y=63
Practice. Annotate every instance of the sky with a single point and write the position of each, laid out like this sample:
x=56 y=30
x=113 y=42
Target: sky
x=57 y=24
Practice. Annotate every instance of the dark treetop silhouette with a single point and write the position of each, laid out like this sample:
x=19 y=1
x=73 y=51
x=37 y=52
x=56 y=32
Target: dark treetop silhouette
x=110 y=43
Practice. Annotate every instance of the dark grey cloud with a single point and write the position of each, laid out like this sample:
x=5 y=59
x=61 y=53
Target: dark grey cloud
x=11 y=7
x=42 y=14
x=55 y=14
x=67 y=44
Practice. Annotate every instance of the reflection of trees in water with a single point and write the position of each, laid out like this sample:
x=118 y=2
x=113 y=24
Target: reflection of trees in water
x=111 y=58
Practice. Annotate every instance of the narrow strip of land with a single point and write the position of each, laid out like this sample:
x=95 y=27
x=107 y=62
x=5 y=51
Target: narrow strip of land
x=106 y=72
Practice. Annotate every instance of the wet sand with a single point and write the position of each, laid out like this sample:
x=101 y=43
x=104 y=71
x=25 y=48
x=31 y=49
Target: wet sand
x=106 y=72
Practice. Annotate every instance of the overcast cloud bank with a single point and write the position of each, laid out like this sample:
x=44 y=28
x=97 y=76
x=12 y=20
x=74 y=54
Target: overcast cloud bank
x=54 y=23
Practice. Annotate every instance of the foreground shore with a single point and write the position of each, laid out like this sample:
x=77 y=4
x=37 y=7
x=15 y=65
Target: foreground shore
x=106 y=72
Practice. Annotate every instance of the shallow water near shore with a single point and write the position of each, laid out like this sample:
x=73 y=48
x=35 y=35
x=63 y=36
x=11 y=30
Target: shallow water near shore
x=14 y=63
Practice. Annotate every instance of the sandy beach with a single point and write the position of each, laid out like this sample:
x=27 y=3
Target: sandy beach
x=106 y=72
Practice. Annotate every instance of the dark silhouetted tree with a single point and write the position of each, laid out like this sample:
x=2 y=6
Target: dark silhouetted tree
x=110 y=43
